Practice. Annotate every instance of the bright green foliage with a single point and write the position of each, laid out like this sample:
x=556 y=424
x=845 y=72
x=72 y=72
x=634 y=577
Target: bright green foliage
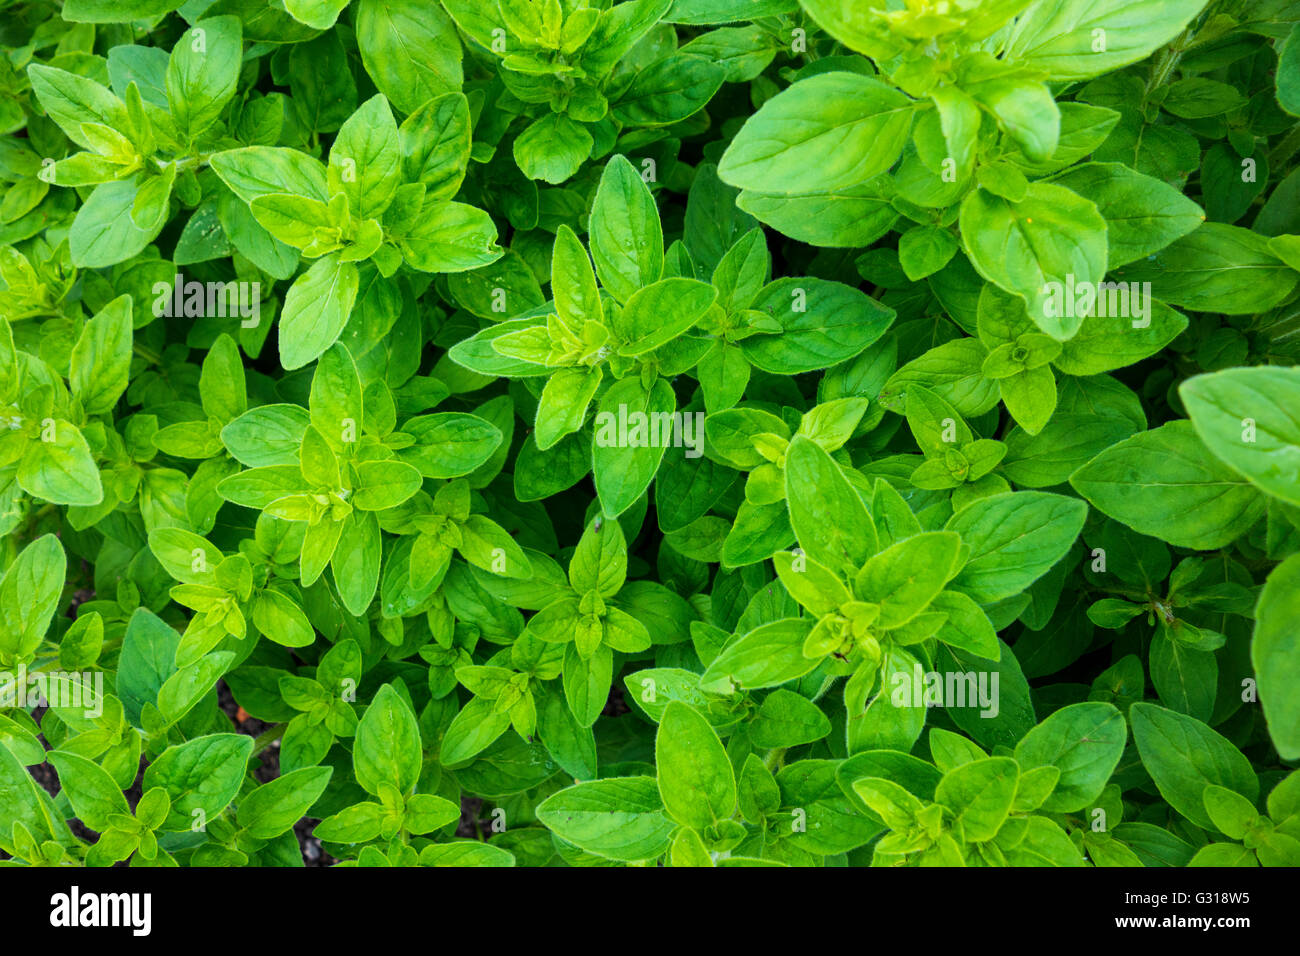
x=650 y=432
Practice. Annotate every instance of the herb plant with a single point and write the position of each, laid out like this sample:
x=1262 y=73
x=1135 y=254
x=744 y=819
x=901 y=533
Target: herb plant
x=651 y=432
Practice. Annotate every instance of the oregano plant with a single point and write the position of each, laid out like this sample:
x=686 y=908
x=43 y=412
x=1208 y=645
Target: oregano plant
x=674 y=433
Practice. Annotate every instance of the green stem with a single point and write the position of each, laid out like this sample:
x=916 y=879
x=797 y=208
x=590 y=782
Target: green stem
x=147 y=353
x=1283 y=152
x=268 y=737
x=772 y=760
x=822 y=691
x=1168 y=62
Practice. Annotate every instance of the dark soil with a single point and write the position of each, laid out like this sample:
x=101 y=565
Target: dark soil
x=470 y=826
x=616 y=706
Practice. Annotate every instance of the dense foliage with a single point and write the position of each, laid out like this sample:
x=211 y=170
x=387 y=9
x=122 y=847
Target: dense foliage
x=695 y=432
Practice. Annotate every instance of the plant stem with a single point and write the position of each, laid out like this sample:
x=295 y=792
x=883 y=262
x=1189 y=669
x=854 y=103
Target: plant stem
x=268 y=737
x=1285 y=150
x=1169 y=58
x=772 y=760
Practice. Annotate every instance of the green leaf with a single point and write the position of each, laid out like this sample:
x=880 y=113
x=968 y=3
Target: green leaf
x=625 y=464
x=1288 y=68
x=115 y=11
x=843 y=219
x=434 y=143
x=888 y=800
x=641 y=323
x=822 y=324
x=465 y=853
x=336 y=400
x=93 y=793
x=1230 y=812
x=365 y=159
x=1120 y=338
x=1184 y=756
x=1030 y=397
x=147 y=660
x=1001 y=718
x=279 y=617
x=316 y=309
x=181 y=691
x=221 y=381
x=473 y=730
x=274 y=807
x=384 y=484
x=1273 y=654
x=619 y=819
x=387 y=748
x=29 y=593
x=670 y=90
x=562 y=407
x=1142 y=213
x=450 y=237
x=979 y=794
x=906 y=576
x=892 y=719
x=1062 y=38
x=826 y=512
x=814 y=586
x=759 y=532
x=449 y=444
x=267 y=435
x=1244 y=416
x=1021 y=104
x=967 y=627
x=572 y=746
x=263 y=170
x=355 y=561
x=599 y=562
x=104 y=234
x=707 y=12
x=833 y=821
x=552 y=148
x=695 y=777
x=1217 y=268
x=101 y=359
x=426 y=813
x=924 y=250
x=411 y=50
x=1084 y=742
x=828 y=132
x=1044 y=844
x=767 y=656
x=202 y=73
x=201 y=776
x=1166 y=483
x=72 y=100
x=1065 y=444
x=1051 y=239
x=785 y=719
x=320 y=14
x=22 y=803
x=1185 y=678
x=627 y=243
x=587 y=682
x=1014 y=539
